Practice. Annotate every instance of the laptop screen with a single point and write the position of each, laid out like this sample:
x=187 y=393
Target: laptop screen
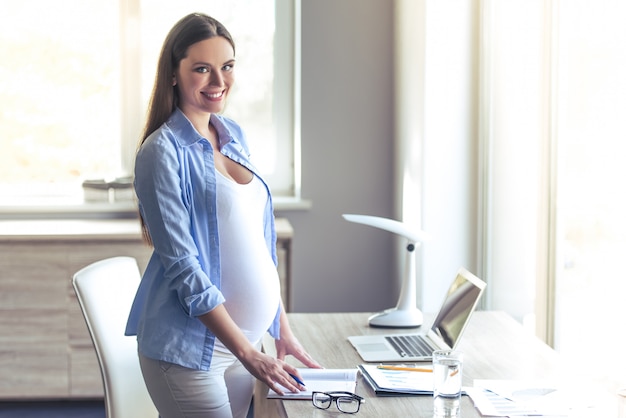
x=458 y=305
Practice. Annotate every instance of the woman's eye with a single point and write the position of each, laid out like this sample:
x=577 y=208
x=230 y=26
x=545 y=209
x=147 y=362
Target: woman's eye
x=202 y=70
x=228 y=67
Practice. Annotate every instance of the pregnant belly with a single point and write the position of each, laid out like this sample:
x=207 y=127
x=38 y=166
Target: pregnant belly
x=252 y=292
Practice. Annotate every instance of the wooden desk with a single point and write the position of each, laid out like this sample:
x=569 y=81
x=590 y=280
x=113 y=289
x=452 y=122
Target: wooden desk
x=495 y=347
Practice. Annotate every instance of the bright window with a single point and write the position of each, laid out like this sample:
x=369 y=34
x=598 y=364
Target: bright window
x=77 y=75
x=592 y=202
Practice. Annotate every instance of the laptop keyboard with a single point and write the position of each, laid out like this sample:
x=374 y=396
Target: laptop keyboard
x=411 y=345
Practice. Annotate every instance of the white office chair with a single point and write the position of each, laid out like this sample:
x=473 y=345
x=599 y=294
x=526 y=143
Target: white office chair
x=105 y=291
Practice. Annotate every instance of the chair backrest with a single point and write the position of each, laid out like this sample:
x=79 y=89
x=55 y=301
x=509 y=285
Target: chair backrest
x=105 y=291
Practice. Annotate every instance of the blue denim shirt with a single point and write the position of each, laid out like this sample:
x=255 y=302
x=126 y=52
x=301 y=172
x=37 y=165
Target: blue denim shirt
x=175 y=185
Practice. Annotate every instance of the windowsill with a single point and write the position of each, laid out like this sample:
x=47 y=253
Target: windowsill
x=291 y=203
x=120 y=210
x=62 y=230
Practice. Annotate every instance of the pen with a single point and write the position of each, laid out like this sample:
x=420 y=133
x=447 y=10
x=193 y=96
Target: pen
x=405 y=369
x=296 y=379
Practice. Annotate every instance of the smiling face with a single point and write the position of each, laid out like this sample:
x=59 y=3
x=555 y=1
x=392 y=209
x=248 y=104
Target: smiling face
x=204 y=77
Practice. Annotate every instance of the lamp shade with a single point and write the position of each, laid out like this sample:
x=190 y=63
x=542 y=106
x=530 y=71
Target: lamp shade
x=390 y=225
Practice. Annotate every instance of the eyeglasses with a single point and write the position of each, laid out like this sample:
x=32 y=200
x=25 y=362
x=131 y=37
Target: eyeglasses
x=346 y=402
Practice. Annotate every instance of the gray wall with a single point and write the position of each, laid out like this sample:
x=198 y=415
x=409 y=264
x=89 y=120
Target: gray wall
x=347 y=158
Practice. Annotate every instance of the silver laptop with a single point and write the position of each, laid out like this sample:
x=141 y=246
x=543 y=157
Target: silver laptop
x=459 y=304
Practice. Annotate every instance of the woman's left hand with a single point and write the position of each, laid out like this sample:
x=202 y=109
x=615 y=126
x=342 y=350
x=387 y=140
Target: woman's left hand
x=288 y=344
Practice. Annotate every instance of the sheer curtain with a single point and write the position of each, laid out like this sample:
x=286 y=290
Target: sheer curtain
x=513 y=133
x=591 y=138
x=553 y=137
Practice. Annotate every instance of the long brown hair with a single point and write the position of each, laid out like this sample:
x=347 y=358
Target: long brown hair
x=187 y=31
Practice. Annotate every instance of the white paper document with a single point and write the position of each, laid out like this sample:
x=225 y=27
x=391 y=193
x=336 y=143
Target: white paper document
x=398 y=382
x=513 y=398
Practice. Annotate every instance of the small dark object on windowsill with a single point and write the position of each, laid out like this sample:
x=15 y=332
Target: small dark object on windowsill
x=119 y=189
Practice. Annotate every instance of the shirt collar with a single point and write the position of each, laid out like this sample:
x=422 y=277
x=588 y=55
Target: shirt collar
x=223 y=133
x=187 y=134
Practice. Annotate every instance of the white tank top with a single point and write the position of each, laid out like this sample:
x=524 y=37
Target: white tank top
x=250 y=282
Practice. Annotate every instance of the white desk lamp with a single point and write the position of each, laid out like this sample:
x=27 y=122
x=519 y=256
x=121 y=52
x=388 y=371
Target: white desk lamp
x=405 y=314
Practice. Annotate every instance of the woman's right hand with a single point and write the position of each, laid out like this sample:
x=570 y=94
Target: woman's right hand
x=276 y=374
x=271 y=371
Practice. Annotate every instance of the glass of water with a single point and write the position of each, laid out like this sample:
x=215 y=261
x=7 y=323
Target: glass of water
x=448 y=376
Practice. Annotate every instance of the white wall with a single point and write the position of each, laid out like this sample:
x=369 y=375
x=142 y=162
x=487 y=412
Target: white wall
x=347 y=157
x=361 y=60
x=351 y=82
x=411 y=70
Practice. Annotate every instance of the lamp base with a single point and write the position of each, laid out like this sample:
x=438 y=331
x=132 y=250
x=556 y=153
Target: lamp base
x=394 y=318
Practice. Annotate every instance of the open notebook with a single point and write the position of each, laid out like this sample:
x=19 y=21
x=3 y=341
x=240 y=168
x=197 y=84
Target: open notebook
x=445 y=332
x=321 y=380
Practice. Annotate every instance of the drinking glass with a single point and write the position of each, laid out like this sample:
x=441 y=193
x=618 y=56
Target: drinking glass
x=448 y=375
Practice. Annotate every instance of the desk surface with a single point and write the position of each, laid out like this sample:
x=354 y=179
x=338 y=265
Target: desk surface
x=495 y=347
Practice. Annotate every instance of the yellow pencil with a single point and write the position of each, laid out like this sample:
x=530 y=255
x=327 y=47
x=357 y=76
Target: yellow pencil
x=405 y=369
